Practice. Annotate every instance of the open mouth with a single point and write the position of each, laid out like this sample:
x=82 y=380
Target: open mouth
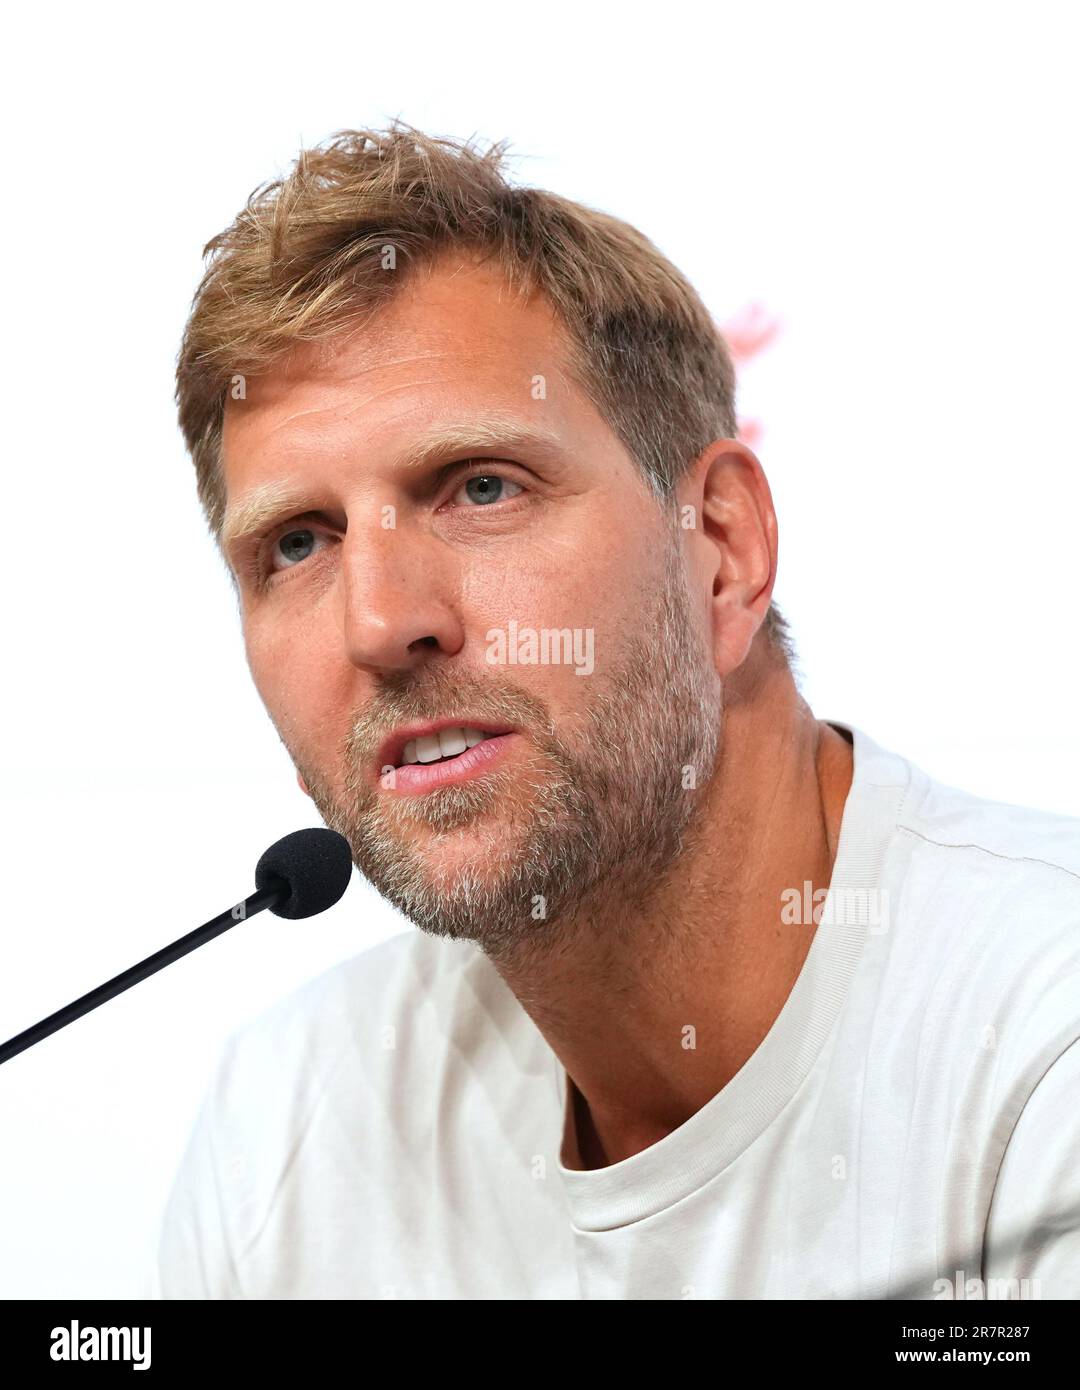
x=455 y=753
x=442 y=747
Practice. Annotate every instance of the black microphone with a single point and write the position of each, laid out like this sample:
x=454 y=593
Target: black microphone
x=303 y=874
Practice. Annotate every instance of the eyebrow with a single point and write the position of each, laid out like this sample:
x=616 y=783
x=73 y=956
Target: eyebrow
x=262 y=505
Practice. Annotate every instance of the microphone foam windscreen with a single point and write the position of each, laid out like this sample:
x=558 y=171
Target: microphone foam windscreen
x=316 y=864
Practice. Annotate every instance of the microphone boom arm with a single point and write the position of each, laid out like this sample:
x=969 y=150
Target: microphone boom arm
x=263 y=898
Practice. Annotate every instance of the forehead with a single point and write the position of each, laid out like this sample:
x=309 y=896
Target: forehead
x=455 y=335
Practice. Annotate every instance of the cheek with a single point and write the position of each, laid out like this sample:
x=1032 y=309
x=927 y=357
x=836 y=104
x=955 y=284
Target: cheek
x=563 y=638
x=561 y=582
x=297 y=693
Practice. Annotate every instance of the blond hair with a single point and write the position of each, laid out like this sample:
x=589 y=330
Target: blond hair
x=306 y=258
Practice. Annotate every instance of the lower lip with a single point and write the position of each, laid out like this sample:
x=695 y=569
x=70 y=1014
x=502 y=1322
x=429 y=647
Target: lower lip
x=421 y=777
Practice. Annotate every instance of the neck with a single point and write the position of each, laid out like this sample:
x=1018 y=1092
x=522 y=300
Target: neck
x=653 y=1006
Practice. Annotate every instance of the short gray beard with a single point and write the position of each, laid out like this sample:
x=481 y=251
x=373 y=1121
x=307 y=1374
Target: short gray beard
x=606 y=815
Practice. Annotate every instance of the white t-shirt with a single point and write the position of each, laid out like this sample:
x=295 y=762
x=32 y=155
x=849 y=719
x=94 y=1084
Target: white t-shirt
x=394 y=1128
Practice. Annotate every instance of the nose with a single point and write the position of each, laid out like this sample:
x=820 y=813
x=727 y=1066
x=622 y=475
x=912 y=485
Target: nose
x=398 y=599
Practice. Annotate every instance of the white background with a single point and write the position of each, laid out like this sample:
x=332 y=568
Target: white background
x=897 y=184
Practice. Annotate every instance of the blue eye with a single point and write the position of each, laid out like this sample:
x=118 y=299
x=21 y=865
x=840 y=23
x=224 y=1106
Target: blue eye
x=484 y=488
x=286 y=544
x=292 y=546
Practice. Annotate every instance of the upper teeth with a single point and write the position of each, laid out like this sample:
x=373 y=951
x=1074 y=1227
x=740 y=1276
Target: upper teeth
x=445 y=744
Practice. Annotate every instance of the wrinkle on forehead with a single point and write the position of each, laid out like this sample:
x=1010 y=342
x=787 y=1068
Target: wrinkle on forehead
x=474 y=334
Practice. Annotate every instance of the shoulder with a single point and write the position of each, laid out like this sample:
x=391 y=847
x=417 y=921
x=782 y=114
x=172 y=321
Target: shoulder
x=410 y=985
x=984 y=912
x=994 y=861
x=1010 y=874
x=372 y=1038
x=1015 y=842
x=967 y=832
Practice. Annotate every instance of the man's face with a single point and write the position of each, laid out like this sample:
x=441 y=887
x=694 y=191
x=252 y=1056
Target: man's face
x=405 y=582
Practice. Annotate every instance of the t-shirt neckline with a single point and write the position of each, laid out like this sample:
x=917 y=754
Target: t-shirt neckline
x=647 y=1182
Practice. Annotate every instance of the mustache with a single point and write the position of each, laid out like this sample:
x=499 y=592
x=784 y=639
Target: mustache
x=407 y=699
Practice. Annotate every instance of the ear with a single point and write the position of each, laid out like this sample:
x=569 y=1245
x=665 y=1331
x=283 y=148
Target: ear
x=738 y=524
x=303 y=785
